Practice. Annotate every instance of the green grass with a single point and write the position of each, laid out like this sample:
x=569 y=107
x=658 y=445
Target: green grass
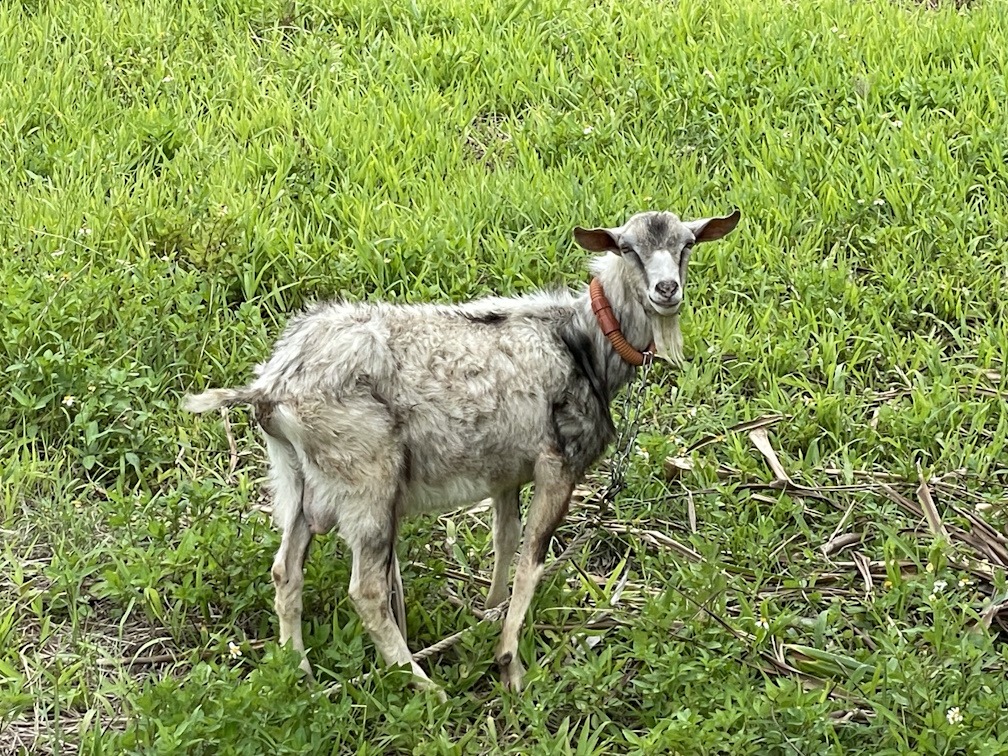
x=179 y=177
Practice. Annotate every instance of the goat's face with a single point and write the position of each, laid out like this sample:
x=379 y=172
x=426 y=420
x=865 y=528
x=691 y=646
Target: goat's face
x=658 y=245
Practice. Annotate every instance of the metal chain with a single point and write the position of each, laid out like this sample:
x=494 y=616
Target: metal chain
x=633 y=402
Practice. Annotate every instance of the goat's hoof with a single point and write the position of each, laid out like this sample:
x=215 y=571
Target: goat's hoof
x=495 y=597
x=425 y=683
x=306 y=667
x=511 y=671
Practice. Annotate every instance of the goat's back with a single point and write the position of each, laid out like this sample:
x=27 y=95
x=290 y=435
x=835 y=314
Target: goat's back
x=471 y=394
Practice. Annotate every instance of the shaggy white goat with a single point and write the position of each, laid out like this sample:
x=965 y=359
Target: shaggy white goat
x=374 y=412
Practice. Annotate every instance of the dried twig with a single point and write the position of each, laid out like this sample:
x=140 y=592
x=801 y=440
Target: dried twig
x=927 y=504
x=748 y=425
x=233 y=464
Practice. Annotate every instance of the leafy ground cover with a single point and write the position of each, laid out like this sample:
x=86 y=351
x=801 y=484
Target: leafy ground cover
x=819 y=569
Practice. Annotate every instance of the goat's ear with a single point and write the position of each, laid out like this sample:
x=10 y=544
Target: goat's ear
x=711 y=229
x=596 y=239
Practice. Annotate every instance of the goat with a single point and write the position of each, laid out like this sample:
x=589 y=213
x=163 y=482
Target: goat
x=374 y=412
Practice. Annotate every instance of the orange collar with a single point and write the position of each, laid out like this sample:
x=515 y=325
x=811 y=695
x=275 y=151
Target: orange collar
x=610 y=327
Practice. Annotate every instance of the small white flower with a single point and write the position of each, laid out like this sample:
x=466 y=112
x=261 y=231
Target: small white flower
x=708 y=74
x=691 y=412
x=879 y=202
x=91 y=389
x=643 y=453
x=954 y=716
x=166 y=79
x=931 y=597
x=234 y=650
x=939 y=586
x=763 y=622
x=68 y=401
x=50 y=276
x=963 y=582
x=588 y=130
x=834 y=29
x=786 y=134
x=897 y=123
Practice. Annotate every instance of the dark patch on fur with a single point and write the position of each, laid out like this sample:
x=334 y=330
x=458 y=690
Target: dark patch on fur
x=541 y=548
x=399 y=505
x=579 y=414
x=580 y=348
x=558 y=434
x=406 y=469
x=375 y=393
x=390 y=557
x=631 y=255
x=657 y=229
x=485 y=318
x=581 y=428
x=263 y=414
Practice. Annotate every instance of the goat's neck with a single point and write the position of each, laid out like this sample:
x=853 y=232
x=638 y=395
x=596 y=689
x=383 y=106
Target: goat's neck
x=622 y=284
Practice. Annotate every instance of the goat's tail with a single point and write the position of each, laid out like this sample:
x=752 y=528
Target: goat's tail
x=217 y=398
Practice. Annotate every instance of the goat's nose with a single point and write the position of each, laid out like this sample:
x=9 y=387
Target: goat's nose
x=667 y=289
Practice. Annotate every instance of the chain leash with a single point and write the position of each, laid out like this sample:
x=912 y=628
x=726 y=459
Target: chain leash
x=633 y=402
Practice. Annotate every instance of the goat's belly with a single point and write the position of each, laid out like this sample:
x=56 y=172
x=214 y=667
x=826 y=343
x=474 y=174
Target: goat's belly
x=445 y=496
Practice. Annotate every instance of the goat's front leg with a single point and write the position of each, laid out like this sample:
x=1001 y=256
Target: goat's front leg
x=506 y=534
x=369 y=591
x=553 y=487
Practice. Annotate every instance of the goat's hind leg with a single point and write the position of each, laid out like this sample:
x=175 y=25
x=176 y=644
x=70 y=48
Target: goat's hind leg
x=373 y=559
x=507 y=530
x=290 y=495
x=288 y=582
x=397 y=596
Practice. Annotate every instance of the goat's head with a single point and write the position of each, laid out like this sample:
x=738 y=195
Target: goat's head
x=658 y=245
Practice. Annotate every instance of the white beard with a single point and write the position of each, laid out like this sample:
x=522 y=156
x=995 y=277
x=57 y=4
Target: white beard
x=668 y=338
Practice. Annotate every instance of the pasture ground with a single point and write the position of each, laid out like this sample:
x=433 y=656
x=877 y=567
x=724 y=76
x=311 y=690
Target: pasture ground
x=177 y=177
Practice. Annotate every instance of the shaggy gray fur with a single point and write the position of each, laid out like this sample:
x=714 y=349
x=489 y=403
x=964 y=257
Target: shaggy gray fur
x=373 y=412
